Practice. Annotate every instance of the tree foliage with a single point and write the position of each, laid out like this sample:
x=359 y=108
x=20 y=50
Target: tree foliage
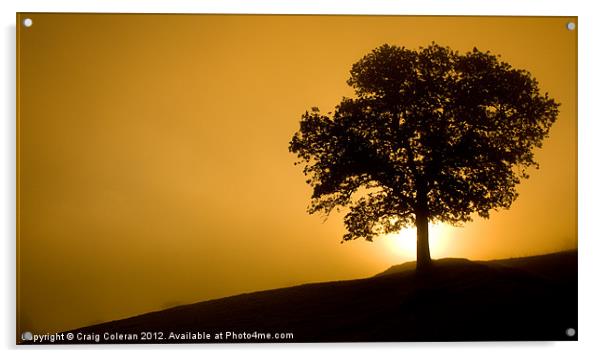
x=429 y=132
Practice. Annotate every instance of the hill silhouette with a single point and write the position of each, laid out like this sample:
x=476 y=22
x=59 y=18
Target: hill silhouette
x=530 y=298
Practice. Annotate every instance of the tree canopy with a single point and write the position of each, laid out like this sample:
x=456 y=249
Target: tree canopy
x=431 y=134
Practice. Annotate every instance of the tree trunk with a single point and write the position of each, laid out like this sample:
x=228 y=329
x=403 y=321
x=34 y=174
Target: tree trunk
x=423 y=255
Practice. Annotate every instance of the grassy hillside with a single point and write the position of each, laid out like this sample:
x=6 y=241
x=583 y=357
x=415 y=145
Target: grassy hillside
x=532 y=298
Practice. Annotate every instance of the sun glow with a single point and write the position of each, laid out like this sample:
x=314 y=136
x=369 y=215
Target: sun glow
x=403 y=243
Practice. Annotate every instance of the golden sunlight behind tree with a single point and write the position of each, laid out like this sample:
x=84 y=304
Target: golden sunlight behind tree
x=431 y=136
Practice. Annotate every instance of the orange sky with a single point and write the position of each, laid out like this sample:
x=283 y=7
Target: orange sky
x=153 y=162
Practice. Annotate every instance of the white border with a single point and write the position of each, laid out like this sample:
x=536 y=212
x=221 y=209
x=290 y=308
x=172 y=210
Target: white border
x=425 y=7
x=590 y=247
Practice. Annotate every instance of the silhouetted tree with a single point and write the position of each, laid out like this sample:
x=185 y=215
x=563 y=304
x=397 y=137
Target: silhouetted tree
x=432 y=135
